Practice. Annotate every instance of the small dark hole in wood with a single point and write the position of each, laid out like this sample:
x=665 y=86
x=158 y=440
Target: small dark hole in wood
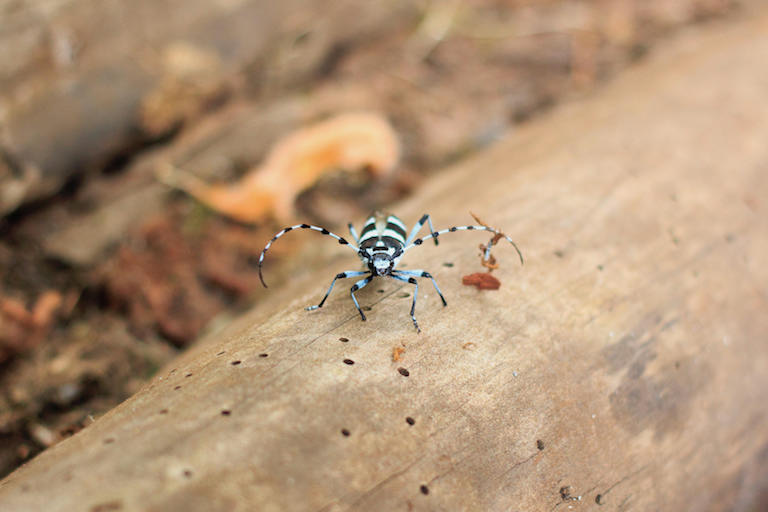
x=600 y=268
x=188 y=375
x=367 y=308
x=303 y=38
x=599 y=499
x=349 y=361
x=448 y=264
x=235 y=363
x=187 y=473
x=380 y=291
x=403 y=372
x=172 y=371
x=410 y=421
x=177 y=388
x=163 y=411
x=539 y=444
x=559 y=253
x=343 y=340
x=221 y=353
x=264 y=355
x=424 y=490
x=226 y=412
x=403 y=295
x=109 y=440
x=345 y=432
x=565 y=493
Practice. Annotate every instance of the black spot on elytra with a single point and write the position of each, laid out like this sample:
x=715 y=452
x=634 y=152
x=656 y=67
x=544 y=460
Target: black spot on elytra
x=418 y=241
x=305 y=226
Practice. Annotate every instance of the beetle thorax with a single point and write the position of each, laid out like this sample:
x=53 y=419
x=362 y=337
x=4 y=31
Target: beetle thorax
x=381 y=264
x=381 y=261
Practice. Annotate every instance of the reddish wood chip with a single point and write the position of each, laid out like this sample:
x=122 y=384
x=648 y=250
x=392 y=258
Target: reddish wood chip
x=482 y=281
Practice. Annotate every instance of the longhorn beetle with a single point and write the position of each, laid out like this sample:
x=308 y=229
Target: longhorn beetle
x=380 y=245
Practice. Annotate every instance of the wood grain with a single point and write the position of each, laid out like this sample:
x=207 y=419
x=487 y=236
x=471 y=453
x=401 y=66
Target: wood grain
x=623 y=368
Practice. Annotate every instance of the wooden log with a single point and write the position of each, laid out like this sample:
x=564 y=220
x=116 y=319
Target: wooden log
x=623 y=367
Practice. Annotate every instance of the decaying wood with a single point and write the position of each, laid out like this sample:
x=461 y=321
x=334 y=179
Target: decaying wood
x=624 y=366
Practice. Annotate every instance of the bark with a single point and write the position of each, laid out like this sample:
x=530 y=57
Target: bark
x=624 y=366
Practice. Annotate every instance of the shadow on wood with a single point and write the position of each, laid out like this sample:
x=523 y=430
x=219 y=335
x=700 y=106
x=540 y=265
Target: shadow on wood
x=625 y=365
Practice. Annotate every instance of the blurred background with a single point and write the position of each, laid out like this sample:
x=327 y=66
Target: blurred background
x=149 y=149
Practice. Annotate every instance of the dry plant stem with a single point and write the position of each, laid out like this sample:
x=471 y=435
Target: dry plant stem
x=489 y=263
x=622 y=366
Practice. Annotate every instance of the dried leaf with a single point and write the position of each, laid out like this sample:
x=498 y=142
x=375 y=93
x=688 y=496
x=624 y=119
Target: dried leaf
x=22 y=329
x=353 y=142
x=481 y=281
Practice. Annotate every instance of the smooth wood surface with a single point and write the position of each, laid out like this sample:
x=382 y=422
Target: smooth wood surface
x=623 y=368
